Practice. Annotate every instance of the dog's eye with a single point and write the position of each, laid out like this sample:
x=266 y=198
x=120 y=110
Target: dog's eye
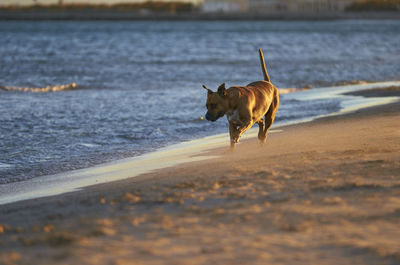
x=213 y=106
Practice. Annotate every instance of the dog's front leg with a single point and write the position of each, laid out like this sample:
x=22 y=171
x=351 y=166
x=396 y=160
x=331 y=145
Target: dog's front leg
x=239 y=131
x=233 y=131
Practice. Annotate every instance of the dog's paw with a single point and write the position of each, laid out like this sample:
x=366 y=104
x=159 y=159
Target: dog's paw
x=232 y=147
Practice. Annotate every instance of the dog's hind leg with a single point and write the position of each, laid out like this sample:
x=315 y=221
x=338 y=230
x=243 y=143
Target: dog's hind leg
x=261 y=135
x=270 y=117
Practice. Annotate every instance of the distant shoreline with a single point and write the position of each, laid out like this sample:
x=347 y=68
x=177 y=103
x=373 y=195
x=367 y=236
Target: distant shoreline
x=135 y=15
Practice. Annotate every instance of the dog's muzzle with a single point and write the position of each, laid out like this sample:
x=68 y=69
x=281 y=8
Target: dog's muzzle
x=210 y=117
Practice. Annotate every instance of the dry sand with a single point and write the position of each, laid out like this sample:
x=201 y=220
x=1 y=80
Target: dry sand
x=324 y=192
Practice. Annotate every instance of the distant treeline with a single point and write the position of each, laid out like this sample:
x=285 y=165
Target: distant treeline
x=151 y=6
x=375 y=5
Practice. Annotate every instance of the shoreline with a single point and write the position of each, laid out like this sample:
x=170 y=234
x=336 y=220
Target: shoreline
x=322 y=192
x=357 y=97
x=137 y=16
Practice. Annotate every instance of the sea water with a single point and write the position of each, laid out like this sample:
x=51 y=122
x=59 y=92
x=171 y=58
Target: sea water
x=75 y=94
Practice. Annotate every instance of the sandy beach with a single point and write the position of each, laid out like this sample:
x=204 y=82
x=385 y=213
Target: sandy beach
x=322 y=192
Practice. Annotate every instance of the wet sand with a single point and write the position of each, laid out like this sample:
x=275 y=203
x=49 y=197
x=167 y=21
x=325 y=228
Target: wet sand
x=323 y=192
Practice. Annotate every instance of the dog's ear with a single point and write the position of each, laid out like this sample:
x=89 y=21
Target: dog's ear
x=208 y=90
x=222 y=90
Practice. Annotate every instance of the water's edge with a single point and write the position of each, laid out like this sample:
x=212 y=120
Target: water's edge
x=178 y=153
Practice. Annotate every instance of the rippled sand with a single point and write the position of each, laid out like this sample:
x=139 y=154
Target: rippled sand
x=325 y=192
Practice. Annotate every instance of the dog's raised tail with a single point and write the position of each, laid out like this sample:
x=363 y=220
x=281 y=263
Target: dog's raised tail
x=264 y=69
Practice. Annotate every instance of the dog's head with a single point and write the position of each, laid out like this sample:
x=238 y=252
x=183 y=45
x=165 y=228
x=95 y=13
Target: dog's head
x=217 y=103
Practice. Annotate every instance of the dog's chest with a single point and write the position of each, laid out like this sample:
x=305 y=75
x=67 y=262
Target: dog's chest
x=233 y=116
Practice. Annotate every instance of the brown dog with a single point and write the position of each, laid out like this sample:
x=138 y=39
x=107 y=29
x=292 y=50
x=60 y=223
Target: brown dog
x=257 y=102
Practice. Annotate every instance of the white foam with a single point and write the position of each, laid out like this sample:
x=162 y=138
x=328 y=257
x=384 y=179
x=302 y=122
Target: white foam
x=4 y=165
x=337 y=91
x=288 y=90
x=348 y=103
x=89 y=145
x=55 y=88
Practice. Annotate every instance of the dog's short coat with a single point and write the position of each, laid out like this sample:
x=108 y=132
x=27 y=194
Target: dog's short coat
x=257 y=102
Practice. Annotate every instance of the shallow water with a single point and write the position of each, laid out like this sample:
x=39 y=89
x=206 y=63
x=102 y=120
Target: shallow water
x=139 y=83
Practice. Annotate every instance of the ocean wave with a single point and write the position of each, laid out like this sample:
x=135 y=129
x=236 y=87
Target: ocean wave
x=322 y=84
x=4 y=165
x=288 y=90
x=55 y=88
